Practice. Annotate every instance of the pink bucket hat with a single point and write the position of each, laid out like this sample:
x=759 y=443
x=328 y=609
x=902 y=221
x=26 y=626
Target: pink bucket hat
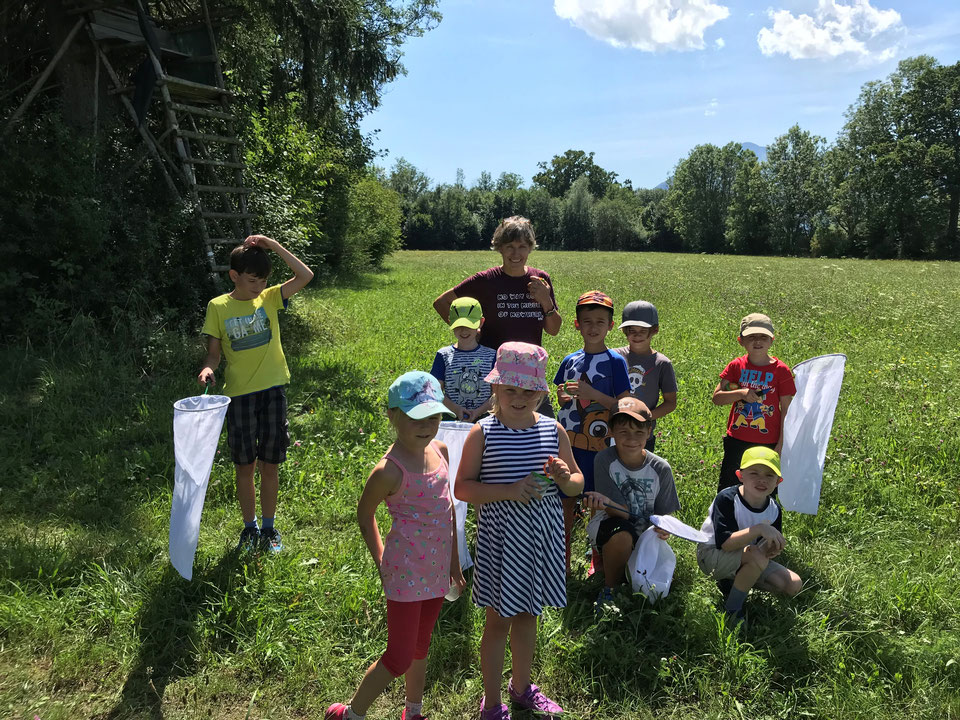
x=522 y=365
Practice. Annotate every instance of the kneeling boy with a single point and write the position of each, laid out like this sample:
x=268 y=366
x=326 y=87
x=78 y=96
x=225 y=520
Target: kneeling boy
x=744 y=524
x=631 y=485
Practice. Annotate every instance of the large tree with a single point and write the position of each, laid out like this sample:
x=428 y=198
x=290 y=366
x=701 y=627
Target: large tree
x=563 y=171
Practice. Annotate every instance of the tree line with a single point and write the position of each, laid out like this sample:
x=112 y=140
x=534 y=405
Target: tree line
x=887 y=187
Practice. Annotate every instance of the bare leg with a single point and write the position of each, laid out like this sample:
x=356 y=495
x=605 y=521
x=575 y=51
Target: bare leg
x=615 y=555
x=523 y=641
x=246 y=492
x=753 y=562
x=269 y=485
x=374 y=682
x=415 y=679
x=492 y=647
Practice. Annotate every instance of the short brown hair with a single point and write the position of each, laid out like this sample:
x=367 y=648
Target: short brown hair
x=250 y=259
x=514 y=228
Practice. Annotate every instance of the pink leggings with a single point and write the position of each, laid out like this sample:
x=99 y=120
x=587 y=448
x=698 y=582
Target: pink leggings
x=409 y=627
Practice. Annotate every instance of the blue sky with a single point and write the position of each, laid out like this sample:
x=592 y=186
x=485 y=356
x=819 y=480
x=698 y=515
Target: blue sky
x=500 y=85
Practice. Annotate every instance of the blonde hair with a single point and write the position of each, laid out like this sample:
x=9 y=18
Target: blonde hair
x=514 y=228
x=495 y=402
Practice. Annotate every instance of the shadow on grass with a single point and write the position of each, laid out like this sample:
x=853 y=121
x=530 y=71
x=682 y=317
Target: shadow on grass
x=169 y=638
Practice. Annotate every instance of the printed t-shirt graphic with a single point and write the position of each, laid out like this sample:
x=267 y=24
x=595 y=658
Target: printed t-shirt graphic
x=509 y=311
x=758 y=422
x=462 y=373
x=249 y=335
x=587 y=424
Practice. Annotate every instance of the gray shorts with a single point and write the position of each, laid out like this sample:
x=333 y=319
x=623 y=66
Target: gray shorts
x=723 y=564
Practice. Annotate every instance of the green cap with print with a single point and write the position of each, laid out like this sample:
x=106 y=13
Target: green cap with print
x=465 y=312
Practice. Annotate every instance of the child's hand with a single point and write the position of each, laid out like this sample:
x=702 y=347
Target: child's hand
x=456 y=577
x=750 y=395
x=525 y=490
x=772 y=541
x=462 y=412
x=563 y=397
x=586 y=392
x=595 y=501
x=571 y=388
x=261 y=241
x=557 y=469
x=661 y=533
x=207 y=377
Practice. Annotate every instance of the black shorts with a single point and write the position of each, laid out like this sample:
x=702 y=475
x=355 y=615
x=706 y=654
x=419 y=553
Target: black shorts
x=257 y=427
x=733 y=450
x=610 y=527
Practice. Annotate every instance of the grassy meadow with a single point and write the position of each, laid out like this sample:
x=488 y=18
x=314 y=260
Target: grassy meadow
x=94 y=623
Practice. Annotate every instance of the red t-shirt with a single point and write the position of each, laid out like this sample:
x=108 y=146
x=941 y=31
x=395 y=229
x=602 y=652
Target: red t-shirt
x=510 y=312
x=758 y=422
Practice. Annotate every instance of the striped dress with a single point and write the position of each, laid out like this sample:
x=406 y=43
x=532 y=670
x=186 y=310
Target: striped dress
x=521 y=566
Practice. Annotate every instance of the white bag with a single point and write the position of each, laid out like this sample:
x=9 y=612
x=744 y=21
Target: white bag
x=454 y=434
x=806 y=431
x=197 y=422
x=651 y=565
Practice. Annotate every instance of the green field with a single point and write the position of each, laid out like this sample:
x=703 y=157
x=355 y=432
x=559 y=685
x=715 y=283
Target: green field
x=95 y=624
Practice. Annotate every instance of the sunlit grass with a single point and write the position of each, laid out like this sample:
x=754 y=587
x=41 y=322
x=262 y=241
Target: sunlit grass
x=94 y=623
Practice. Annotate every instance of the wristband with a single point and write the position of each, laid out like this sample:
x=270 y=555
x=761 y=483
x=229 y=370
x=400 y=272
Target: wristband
x=551 y=311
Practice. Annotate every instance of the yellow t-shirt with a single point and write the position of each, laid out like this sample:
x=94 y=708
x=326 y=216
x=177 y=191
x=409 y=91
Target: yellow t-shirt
x=249 y=336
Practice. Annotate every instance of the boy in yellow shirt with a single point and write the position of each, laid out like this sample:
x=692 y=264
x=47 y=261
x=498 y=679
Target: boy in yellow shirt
x=243 y=326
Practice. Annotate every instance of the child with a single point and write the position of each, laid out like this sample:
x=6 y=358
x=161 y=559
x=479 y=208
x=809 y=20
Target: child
x=243 y=324
x=744 y=527
x=462 y=367
x=760 y=388
x=589 y=382
x=519 y=567
x=631 y=485
x=418 y=561
x=651 y=373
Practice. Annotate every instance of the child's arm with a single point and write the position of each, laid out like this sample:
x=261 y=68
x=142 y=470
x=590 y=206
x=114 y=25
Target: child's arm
x=383 y=481
x=585 y=391
x=727 y=393
x=211 y=362
x=564 y=470
x=598 y=501
x=773 y=539
x=301 y=273
x=469 y=488
x=668 y=405
x=481 y=411
x=784 y=404
x=458 y=410
x=456 y=574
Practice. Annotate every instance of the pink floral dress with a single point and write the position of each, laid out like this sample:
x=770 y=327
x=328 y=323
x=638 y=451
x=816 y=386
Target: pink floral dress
x=416 y=551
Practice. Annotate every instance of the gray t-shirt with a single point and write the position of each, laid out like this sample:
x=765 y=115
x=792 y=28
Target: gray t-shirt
x=647 y=490
x=649 y=375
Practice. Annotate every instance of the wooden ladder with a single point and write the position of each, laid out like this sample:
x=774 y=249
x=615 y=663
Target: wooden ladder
x=206 y=162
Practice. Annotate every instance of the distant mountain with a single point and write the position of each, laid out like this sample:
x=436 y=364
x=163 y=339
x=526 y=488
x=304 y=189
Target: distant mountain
x=759 y=150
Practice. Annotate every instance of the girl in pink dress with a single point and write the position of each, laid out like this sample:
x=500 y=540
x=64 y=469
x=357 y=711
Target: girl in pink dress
x=418 y=560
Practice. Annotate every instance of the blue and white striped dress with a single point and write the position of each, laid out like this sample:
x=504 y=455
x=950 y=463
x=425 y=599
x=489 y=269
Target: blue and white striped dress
x=521 y=563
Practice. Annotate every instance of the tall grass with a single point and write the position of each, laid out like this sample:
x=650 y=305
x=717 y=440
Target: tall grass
x=94 y=623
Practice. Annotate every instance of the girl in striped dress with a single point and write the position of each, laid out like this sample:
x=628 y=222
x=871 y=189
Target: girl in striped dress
x=520 y=567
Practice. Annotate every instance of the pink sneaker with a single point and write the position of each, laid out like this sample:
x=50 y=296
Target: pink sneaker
x=337 y=711
x=501 y=712
x=534 y=700
x=403 y=716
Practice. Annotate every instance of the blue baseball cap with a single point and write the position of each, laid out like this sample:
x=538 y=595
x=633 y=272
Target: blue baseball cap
x=418 y=394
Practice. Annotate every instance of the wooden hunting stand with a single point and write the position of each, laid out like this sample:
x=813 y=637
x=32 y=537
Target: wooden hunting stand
x=192 y=138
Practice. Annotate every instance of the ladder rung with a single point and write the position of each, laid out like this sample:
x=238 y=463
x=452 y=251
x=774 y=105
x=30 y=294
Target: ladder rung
x=212 y=89
x=226 y=215
x=194 y=110
x=224 y=189
x=208 y=138
x=224 y=241
x=218 y=163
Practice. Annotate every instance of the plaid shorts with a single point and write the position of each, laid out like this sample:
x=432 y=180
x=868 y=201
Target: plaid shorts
x=257 y=427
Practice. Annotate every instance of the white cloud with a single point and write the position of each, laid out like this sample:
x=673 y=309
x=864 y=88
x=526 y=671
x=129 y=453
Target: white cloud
x=711 y=108
x=854 y=28
x=648 y=25
x=720 y=43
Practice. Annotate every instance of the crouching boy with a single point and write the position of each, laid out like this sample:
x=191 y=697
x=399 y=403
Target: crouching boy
x=745 y=534
x=631 y=485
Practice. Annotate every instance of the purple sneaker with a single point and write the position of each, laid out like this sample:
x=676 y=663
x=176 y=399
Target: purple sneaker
x=534 y=700
x=501 y=712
